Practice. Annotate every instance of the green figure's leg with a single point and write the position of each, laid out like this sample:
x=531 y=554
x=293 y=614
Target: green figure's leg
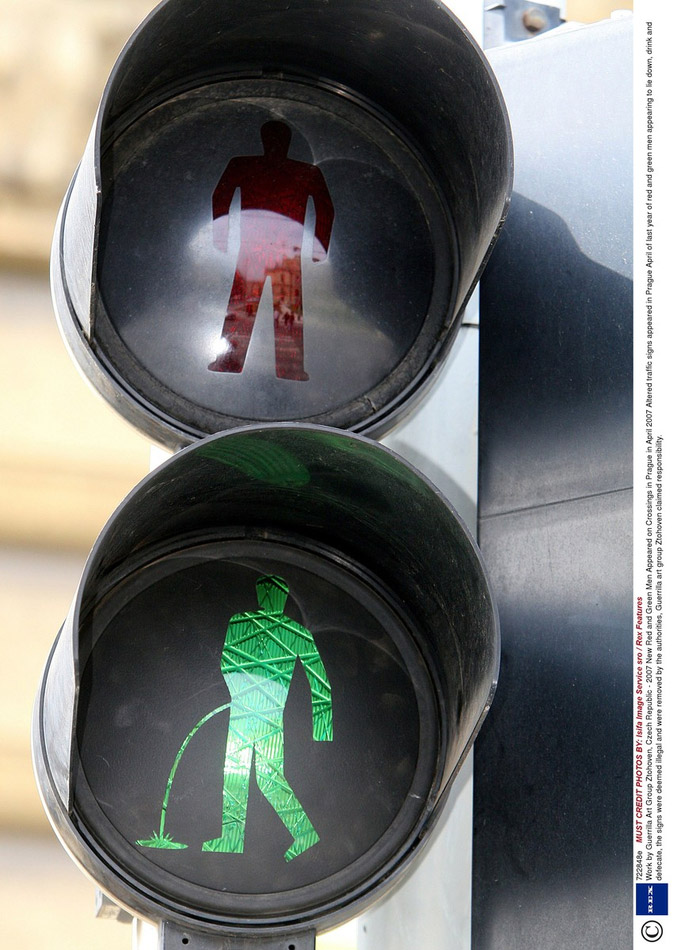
x=238 y=757
x=269 y=774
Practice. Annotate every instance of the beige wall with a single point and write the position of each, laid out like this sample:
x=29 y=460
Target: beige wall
x=65 y=459
x=589 y=11
x=55 y=56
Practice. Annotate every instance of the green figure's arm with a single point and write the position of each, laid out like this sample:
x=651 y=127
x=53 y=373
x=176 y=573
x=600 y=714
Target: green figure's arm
x=320 y=688
x=239 y=626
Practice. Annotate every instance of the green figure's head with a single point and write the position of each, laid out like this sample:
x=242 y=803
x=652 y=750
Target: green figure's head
x=272 y=592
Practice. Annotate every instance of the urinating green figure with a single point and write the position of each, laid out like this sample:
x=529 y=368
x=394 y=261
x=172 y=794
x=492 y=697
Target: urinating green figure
x=258 y=659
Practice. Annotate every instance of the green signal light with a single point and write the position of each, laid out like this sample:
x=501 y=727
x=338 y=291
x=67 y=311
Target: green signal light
x=264 y=461
x=258 y=659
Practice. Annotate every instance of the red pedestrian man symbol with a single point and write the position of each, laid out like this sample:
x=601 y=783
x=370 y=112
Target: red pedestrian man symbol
x=274 y=195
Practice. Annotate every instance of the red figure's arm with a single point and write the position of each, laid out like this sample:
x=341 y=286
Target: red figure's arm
x=222 y=199
x=324 y=213
x=225 y=188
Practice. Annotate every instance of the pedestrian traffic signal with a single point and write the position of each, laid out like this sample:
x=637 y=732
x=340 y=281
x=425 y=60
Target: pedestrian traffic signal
x=280 y=650
x=283 y=642
x=281 y=213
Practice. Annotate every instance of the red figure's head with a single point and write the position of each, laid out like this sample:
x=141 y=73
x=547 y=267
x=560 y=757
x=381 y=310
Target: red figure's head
x=276 y=138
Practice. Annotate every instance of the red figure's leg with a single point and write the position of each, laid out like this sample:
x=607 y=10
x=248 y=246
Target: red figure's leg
x=288 y=327
x=238 y=326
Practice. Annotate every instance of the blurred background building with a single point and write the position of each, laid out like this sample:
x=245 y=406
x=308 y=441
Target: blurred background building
x=66 y=459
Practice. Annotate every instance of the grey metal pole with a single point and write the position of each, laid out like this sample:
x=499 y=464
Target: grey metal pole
x=433 y=907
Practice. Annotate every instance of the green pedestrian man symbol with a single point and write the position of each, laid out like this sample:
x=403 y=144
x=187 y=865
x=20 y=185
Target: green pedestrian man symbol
x=259 y=655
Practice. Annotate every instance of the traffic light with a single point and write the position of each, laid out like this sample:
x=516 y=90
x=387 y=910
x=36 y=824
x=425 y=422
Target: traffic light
x=342 y=168
x=284 y=641
x=281 y=648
